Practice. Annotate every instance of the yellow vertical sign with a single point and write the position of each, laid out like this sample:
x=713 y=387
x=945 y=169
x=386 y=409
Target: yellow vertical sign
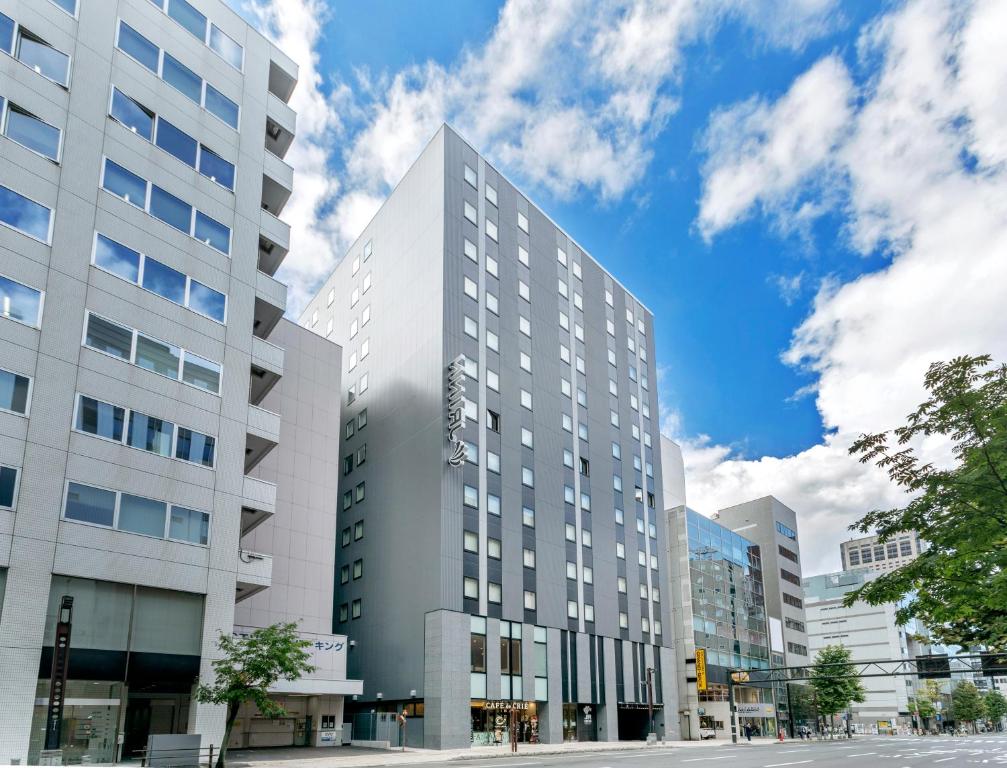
x=700 y=669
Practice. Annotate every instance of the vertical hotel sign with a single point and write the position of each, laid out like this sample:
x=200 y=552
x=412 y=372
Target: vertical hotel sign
x=456 y=410
x=700 y=670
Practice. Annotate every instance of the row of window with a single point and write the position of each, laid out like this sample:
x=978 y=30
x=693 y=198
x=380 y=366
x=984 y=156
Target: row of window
x=358 y=572
x=135 y=514
x=800 y=650
x=894 y=550
x=355 y=424
x=158 y=278
x=203 y=29
x=793 y=578
x=796 y=602
x=30 y=131
x=34 y=52
x=164 y=206
x=147 y=352
x=176 y=74
x=356 y=495
x=795 y=625
x=350 y=610
x=148 y=433
x=361 y=457
x=146 y=123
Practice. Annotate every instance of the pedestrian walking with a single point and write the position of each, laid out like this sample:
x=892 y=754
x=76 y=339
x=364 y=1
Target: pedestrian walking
x=748 y=731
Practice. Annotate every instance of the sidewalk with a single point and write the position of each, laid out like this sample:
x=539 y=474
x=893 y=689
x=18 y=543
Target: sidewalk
x=337 y=757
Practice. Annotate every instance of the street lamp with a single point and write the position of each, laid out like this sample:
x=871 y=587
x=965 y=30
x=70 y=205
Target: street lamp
x=650 y=701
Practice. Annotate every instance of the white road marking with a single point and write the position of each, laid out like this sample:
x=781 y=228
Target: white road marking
x=704 y=759
x=780 y=765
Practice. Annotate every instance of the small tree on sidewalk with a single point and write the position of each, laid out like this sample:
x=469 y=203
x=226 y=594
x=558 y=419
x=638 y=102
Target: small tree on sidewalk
x=996 y=707
x=967 y=704
x=249 y=666
x=835 y=682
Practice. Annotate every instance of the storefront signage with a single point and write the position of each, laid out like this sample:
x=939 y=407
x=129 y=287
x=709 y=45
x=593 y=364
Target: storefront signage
x=756 y=710
x=456 y=410
x=507 y=706
x=700 y=669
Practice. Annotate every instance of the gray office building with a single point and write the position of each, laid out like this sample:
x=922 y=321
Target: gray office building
x=501 y=546
x=141 y=177
x=772 y=525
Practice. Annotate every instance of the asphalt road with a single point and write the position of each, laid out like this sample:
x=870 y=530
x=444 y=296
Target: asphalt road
x=869 y=752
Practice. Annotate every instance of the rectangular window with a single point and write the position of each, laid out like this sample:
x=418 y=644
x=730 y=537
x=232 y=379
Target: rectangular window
x=70 y=6
x=176 y=143
x=201 y=373
x=124 y=184
x=470 y=175
x=216 y=168
x=229 y=50
x=206 y=301
x=164 y=281
x=24 y=215
x=355 y=609
x=157 y=356
x=109 y=337
x=221 y=106
x=183 y=79
x=212 y=233
x=132 y=115
x=89 y=505
x=150 y=434
x=140 y=515
x=471 y=588
x=188 y=17
x=31 y=132
x=14 y=392
x=172 y=210
x=101 y=419
x=195 y=447
x=37 y=54
x=470 y=213
x=138 y=47
x=522 y=222
x=19 y=302
x=8 y=487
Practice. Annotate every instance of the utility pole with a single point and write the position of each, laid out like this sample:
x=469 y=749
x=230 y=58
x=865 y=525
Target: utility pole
x=734 y=709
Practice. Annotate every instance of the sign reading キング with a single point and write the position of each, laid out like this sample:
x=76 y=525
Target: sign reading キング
x=456 y=410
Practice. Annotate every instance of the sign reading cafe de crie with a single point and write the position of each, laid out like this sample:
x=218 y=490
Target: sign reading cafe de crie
x=456 y=410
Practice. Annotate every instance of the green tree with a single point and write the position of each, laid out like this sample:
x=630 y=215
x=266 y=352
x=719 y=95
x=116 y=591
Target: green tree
x=967 y=703
x=996 y=707
x=958 y=587
x=247 y=668
x=834 y=681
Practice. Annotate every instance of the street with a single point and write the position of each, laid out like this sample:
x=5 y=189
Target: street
x=874 y=752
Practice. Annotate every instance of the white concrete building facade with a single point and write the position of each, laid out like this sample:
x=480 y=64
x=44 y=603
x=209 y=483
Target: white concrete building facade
x=141 y=176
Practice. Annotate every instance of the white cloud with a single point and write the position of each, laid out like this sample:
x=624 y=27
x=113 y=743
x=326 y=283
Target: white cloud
x=566 y=95
x=941 y=218
x=757 y=152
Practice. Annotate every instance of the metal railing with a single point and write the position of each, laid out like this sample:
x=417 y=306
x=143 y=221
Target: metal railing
x=179 y=757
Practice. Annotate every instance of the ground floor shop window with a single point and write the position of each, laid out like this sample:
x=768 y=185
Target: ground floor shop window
x=495 y=722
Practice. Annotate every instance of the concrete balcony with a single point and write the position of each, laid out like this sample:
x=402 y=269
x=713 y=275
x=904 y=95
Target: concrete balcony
x=283 y=74
x=274 y=242
x=270 y=304
x=258 y=503
x=262 y=434
x=267 y=369
x=255 y=573
x=281 y=126
x=277 y=184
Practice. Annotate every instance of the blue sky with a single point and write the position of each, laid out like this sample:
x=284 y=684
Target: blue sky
x=770 y=177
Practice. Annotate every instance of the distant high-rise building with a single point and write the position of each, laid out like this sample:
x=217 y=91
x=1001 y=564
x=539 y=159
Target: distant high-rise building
x=500 y=487
x=868 y=554
x=141 y=177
